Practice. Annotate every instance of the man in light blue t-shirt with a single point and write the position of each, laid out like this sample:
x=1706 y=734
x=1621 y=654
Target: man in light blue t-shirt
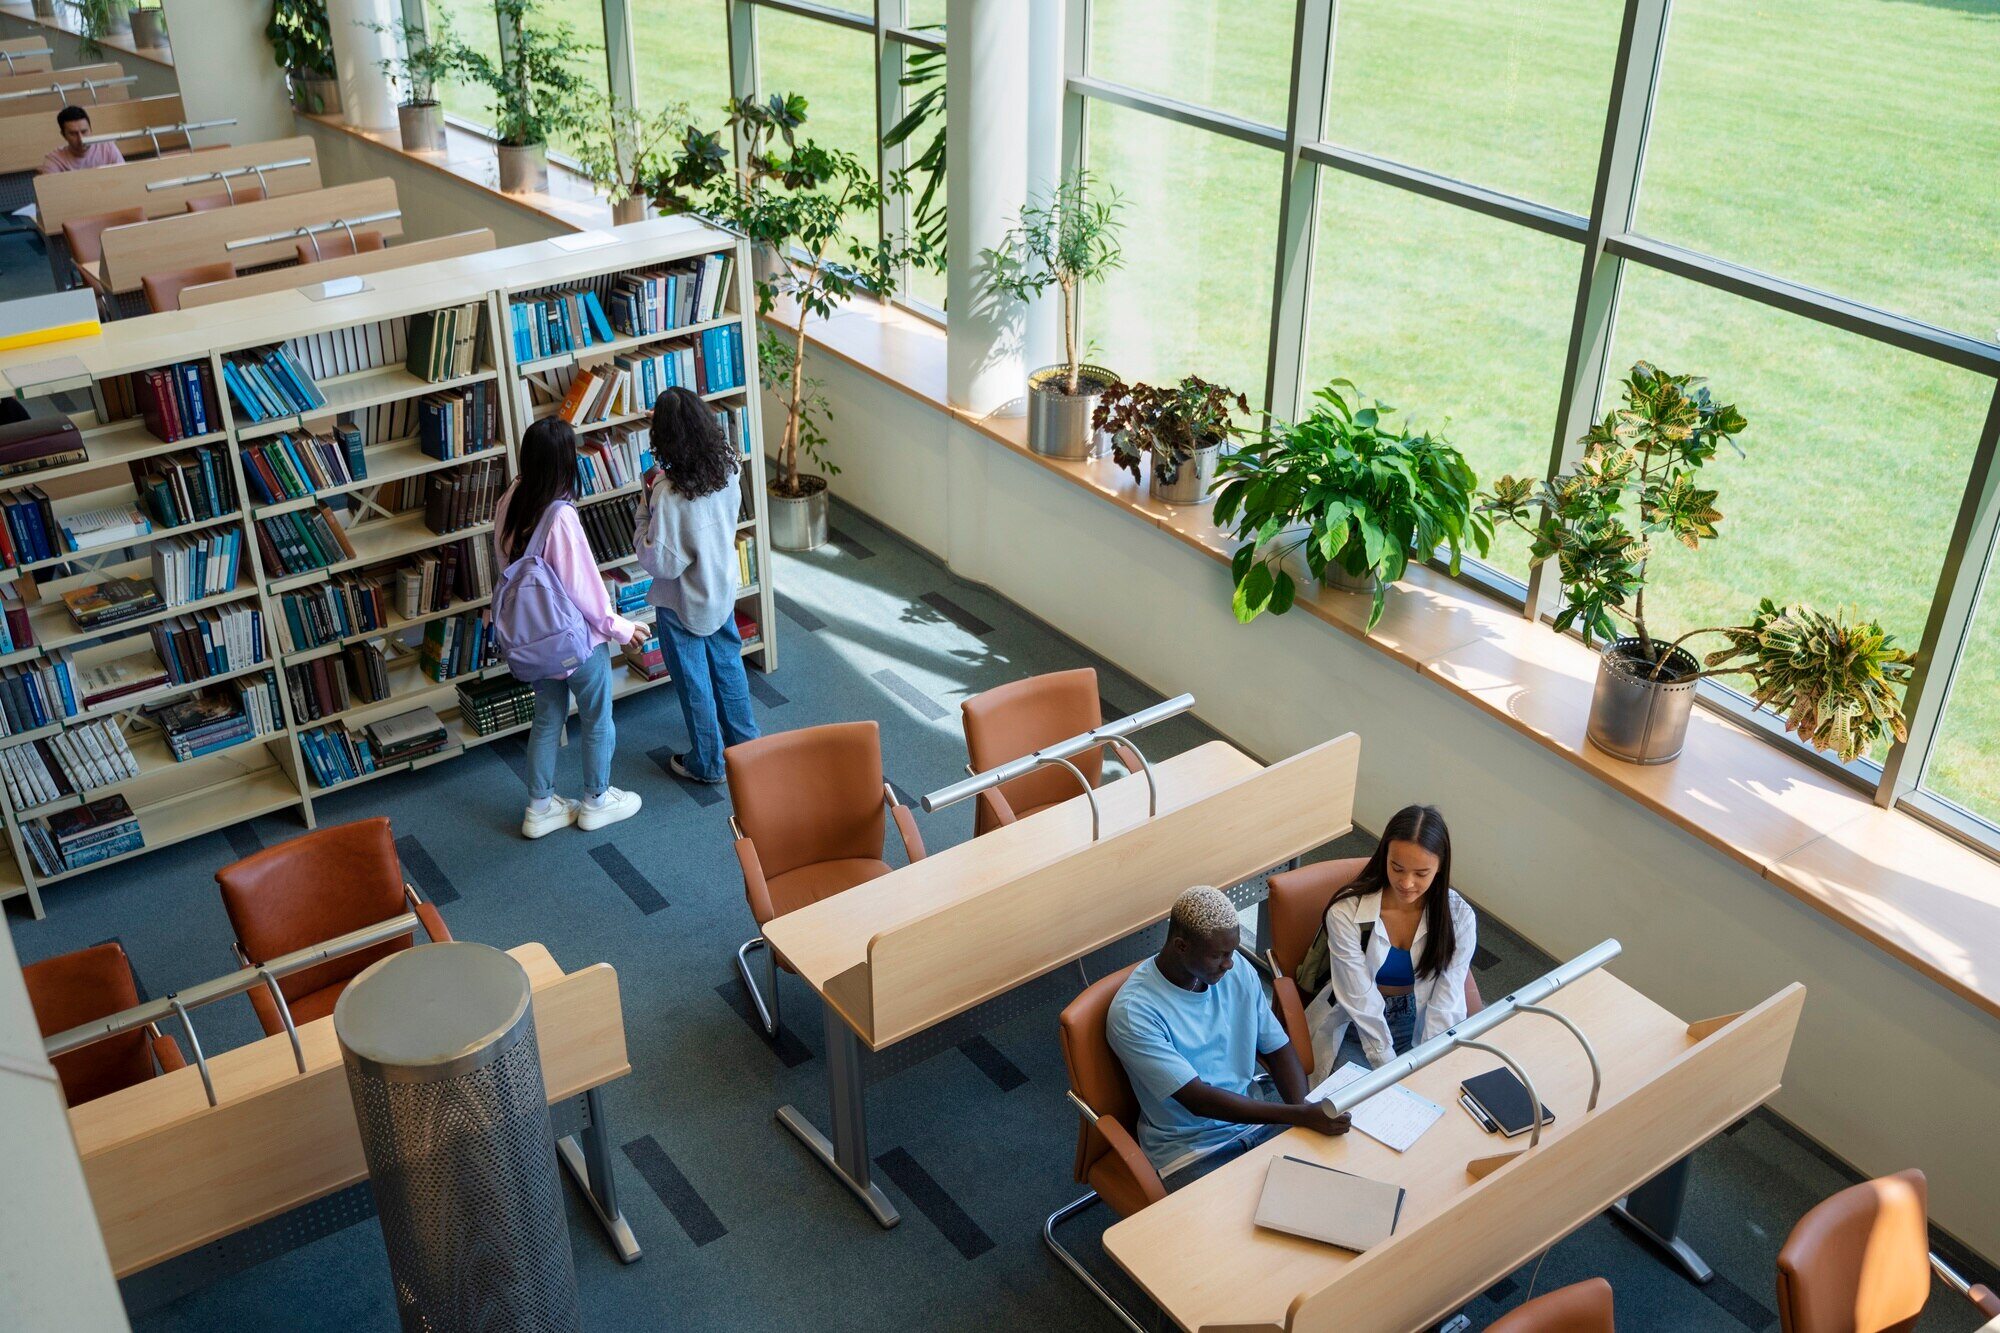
x=1190 y=1029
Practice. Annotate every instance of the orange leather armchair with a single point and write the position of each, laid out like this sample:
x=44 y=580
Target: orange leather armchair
x=76 y=988
x=312 y=889
x=1581 y=1307
x=163 y=290
x=1860 y=1262
x=85 y=238
x=1020 y=717
x=209 y=203
x=338 y=245
x=809 y=823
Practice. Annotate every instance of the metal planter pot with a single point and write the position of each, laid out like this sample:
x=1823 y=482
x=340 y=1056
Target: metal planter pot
x=422 y=124
x=317 y=95
x=799 y=523
x=1339 y=580
x=1191 y=479
x=626 y=211
x=45 y=9
x=1637 y=719
x=118 y=20
x=524 y=169
x=1058 y=422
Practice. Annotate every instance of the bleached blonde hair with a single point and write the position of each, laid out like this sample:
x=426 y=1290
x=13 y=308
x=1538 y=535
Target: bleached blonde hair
x=1202 y=913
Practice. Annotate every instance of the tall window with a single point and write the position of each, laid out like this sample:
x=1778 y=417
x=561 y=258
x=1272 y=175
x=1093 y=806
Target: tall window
x=1231 y=55
x=834 y=67
x=1964 y=766
x=473 y=22
x=681 y=54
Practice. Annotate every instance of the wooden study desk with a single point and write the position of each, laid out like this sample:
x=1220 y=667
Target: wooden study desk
x=27 y=138
x=169 y=1173
x=169 y=243
x=899 y=955
x=69 y=195
x=1478 y=1205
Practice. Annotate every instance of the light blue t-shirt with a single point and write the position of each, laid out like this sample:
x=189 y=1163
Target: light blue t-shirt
x=1166 y=1037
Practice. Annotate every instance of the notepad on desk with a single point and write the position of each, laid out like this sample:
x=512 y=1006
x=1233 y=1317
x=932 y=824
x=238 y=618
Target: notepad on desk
x=1395 y=1116
x=1321 y=1203
x=1504 y=1101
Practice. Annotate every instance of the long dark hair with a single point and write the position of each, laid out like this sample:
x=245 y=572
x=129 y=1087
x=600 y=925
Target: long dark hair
x=695 y=452
x=548 y=473
x=1424 y=826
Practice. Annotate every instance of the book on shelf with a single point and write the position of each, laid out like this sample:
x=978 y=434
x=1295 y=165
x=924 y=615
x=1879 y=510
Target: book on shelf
x=104 y=681
x=17 y=631
x=70 y=762
x=734 y=421
x=72 y=839
x=348 y=604
x=191 y=487
x=746 y=559
x=346 y=351
x=627 y=587
x=213 y=643
x=318 y=688
x=452 y=424
x=188 y=569
x=607 y=526
x=106 y=525
x=611 y=464
x=217 y=717
x=655 y=301
x=303 y=540
x=292 y=465
x=367 y=664
x=334 y=755
x=267 y=384
x=496 y=704
x=550 y=323
x=433 y=580
x=446 y=344
x=463 y=496
x=456 y=646
x=28 y=529
x=35 y=436
x=647 y=659
x=406 y=736
x=35 y=694
x=101 y=605
x=178 y=401
x=595 y=395
x=747 y=627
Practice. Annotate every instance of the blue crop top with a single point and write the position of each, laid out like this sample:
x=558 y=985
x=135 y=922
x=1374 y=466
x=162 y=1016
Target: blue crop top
x=1397 y=969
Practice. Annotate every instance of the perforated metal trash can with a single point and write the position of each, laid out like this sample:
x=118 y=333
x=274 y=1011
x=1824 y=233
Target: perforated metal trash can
x=439 y=1043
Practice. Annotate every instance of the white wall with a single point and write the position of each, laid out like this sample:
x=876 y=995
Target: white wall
x=1888 y=1071
x=226 y=69
x=434 y=203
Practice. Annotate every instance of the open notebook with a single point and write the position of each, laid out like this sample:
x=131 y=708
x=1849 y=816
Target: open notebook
x=1321 y=1203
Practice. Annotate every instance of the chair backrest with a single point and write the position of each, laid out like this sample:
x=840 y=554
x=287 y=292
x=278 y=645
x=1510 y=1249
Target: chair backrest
x=1859 y=1262
x=1022 y=716
x=1581 y=1307
x=85 y=235
x=314 y=888
x=1095 y=1072
x=208 y=203
x=336 y=245
x=810 y=795
x=163 y=290
x=75 y=988
x=1297 y=905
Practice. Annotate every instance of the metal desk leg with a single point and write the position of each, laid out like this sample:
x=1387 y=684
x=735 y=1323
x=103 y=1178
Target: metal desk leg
x=590 y=1163
x=846 y=1155
x=1654 y=1211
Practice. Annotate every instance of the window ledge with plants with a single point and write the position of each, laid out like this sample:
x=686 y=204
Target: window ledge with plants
x=106 y=23
x=1917 y=894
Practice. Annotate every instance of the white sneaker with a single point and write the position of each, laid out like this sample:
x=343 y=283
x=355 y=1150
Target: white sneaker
x=560 y=814
x=609 y=808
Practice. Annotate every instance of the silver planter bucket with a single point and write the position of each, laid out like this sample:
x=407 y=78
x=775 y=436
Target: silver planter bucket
x=45 y=9
x=524 y=169
x=317 y=95
x=1339 y=580
x=422 y=124
x=799 y=524
x=1191 y=479
x=1633 y=718
x=118 y=20
x=628 y=210
x=149 y=29
x=1058 y=422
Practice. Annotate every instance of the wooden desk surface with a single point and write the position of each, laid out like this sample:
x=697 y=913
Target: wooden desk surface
x=1199 y=1254
x=830 y=937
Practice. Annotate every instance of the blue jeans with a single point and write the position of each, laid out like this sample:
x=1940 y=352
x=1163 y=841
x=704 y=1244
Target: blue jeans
x=714 y=692
x=1400 y=1012
x=590 y=686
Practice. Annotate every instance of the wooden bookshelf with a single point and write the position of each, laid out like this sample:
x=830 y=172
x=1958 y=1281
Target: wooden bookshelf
x=266 y=774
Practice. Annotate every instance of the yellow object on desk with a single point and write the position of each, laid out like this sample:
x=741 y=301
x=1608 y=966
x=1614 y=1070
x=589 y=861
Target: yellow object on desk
x=55 y=317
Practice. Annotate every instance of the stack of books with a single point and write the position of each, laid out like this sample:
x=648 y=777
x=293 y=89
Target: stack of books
x=318 y=688
x=266 y=384
x=191 y=568
x=29 y=532
x=347 y=605
x=185 y=488
x=628 y=587
x=463 y=496
x=34 y=438
x=450 y=425
x=746 y=559
x=655 y=301
x=35 y=694
x=335 y=756
x=462 y=570
x=598 y=394
x=496 y=704
x=608 y=527
x=648 y=659
x=294 y=464
x=734 y=422
x=17 y=632
x=179 y=401
x=407 y=736
x=610 y=465
x=302 y=540
x=747 y=627
x=718 y=359
x=108 y=525
x=556 y=322
x=104 y=682
x=446 y=344
x=218 y=717
x=83 y=836
x=75 y=760
x=213 y=643
x=457 y=646
x=102 y=605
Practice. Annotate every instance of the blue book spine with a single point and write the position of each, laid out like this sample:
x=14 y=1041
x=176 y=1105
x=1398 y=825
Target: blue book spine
x=190 y=377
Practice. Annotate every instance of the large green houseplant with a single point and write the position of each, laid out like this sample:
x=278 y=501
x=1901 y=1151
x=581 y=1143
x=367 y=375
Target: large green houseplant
x=302 y=44
x=424 y=58
x=1638 y=481
x=1180 y=427
x=538 y=90
x=629 y=154
x=1065 y=241
x=1353 y=494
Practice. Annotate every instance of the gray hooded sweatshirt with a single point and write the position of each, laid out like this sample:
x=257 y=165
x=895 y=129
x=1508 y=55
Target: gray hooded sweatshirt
x=689 y=547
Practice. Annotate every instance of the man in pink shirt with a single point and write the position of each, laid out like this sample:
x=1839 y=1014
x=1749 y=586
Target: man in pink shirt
x=75 y=154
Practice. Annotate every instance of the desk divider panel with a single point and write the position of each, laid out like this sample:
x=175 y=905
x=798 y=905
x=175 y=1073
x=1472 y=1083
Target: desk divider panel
x=945 y=963
x=26 y=137
x=27 y=64
x=73 y=194
x=1526 y=1205
x=52 y=102
x=130 y=253
x=347 y=266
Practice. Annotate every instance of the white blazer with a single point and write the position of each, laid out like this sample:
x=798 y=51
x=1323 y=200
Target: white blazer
x=1352 y=996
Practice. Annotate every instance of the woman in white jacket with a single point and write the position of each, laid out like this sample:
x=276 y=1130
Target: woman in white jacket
x=1398 y=942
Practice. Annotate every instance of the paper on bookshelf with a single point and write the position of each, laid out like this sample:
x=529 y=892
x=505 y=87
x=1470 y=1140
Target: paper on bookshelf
x=583 y=240
x=1395 y=1116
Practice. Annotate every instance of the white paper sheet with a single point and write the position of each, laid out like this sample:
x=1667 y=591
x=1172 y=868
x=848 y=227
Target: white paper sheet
x=1395 y=1116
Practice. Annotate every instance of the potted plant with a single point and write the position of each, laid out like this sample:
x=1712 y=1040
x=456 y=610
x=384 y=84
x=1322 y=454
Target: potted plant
x=537 y=91
x=93 y=21
x=302 y=44
x=1637 y=481
x=148 y=25
x=1064 y=242
x=631 y=153
x=424 y=59
x=1181 y=427
x=1353 y=494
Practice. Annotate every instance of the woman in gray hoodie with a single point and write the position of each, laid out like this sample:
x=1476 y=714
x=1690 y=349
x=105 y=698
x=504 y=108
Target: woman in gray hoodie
x=686 y=539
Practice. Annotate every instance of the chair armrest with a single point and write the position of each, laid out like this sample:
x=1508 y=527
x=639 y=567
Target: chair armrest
x=998 y=813
x=433 y=923
x=1132 y=1159
x=1127 y=756
x=166 y=1051
x=1292 y=1017
x=754 y=887
x=1985 y=1300
x=906 y=825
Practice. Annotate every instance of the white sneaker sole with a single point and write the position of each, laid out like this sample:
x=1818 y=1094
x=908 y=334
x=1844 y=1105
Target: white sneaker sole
x=541 y=826
x=588 y=819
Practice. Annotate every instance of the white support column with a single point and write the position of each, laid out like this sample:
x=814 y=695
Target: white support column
x=987 y=144
x=1047 y=29
x=367 y=97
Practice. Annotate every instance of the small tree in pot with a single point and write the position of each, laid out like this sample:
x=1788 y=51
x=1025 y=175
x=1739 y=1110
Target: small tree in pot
x=1064 y=242
x=631 y=154
x=1352 y=494
x=425 y=58
x=302 y=44
x=1182 y=427
x=537 y=91
x=1834 y=676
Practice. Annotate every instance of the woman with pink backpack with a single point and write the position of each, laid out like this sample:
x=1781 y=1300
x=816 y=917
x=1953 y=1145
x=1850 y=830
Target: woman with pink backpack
x=554 y=624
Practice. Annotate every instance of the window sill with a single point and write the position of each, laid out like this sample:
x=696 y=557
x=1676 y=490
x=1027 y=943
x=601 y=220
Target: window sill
x=1887 y=876
x=121 y=42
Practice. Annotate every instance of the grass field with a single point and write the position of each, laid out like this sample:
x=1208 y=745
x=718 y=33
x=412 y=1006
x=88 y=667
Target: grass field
x=1847 y=144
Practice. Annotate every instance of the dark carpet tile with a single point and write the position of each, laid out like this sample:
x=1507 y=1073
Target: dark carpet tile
x=697 y=1219
x=423 y=871
x=1483 y=958
x=786 y=1045
x=513 y=752
x=926 y=707
x=956 y=614
x=841 y=541
x=627 y=877
x=764 y=692
x=929 y=1198
x=799 y=615
x=991 y=1061
x=1746 y=1309
x=243 y=840
x=1111 y=711
x=1502 y=1289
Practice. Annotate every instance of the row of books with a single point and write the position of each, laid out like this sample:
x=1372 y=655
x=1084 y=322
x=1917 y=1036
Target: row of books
x=266 y=384
x=177 y=401
x=219 y=716
x=188 y=569
x=718 y=359
x=193 y=487
x=212 y=643
x=734 y=422
x=692 y=292
x=406 y=736
x=328 y=685
x=296 y=464
x=457 y=646
x=609 y=465
x=326 y=612
x=302 y=540
x=496 y=704
x=335 y=352
x=646 y=657
x=34 y=694
x=628 y=586
x=597 y=394
x=555 y=322
x=608 y=527
x=76 y=760
x=72 y=839
x=462 y=571
x=28 y=528
x=445 y=344
x=452 y=424
x=746 y=559
x=335 y=755
x=463 y=496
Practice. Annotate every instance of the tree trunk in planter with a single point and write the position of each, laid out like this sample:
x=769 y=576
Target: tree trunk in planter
x=524 y=169
x=1635 y=715
x=1059 y=422
x=800 y=523
x=422 y=124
